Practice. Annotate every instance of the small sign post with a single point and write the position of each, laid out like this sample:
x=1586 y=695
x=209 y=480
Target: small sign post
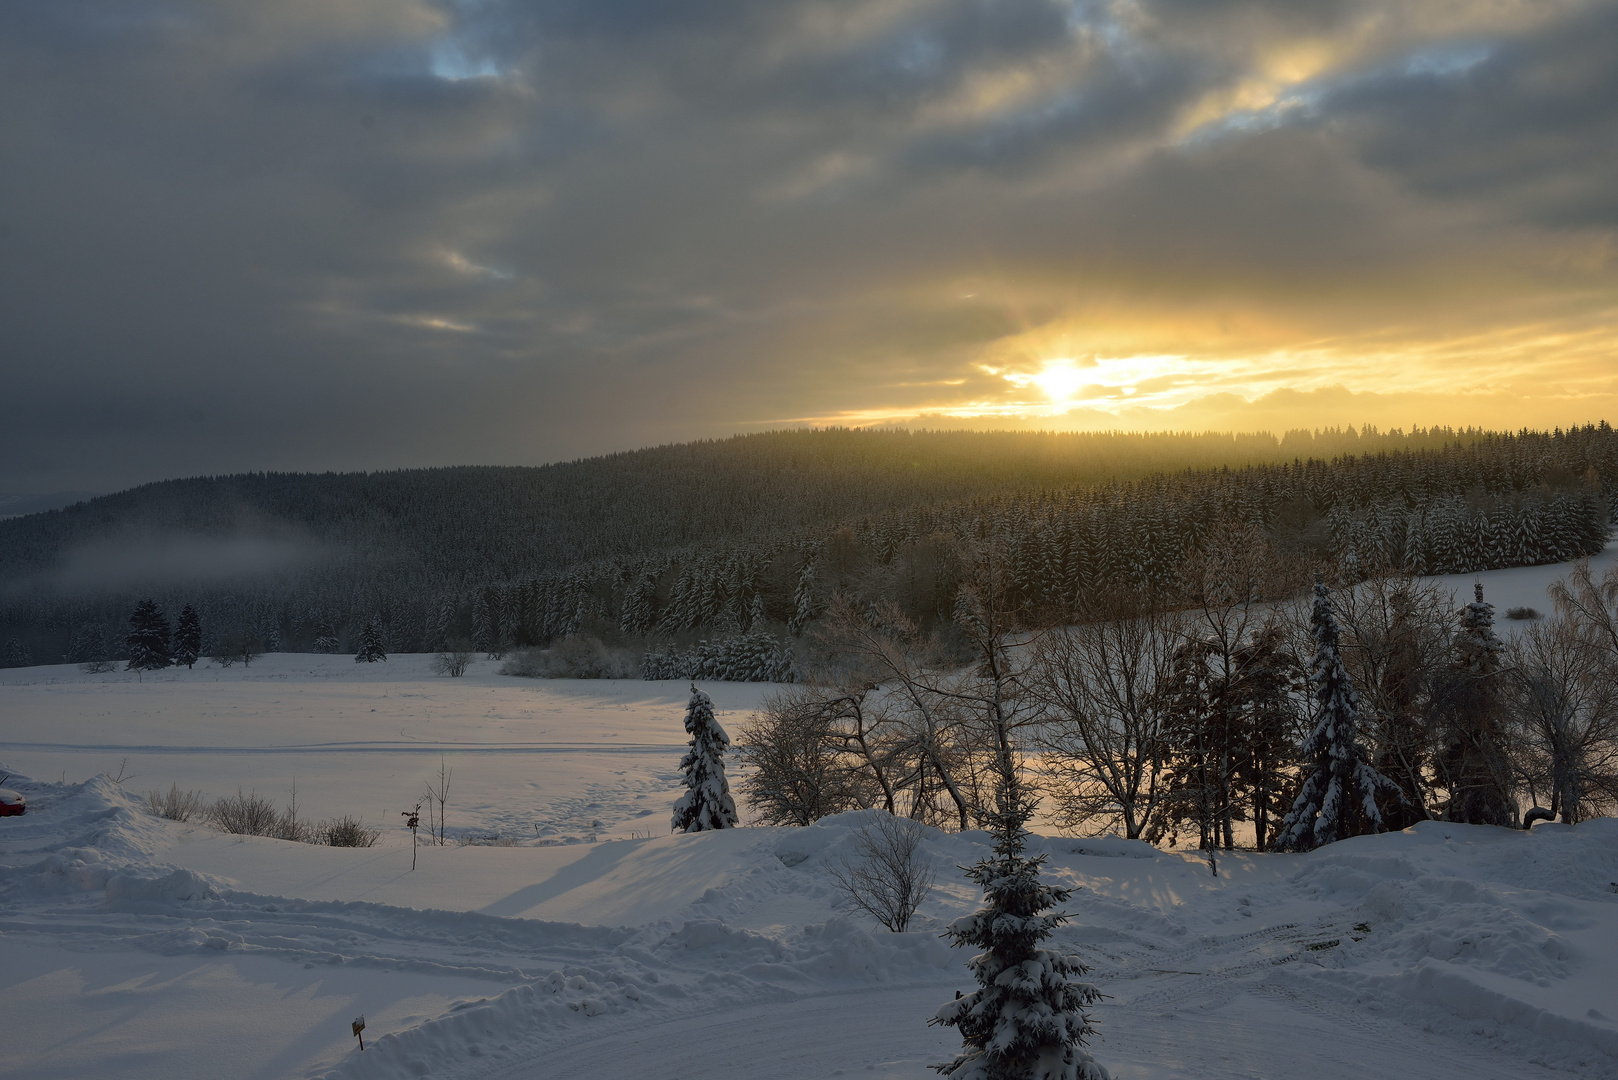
x=359 y=1026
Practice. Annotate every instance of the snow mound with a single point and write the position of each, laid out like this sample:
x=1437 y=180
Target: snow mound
x=95 y=814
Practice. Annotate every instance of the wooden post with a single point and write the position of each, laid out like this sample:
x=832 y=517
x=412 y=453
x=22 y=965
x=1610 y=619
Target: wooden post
x=359 y=1026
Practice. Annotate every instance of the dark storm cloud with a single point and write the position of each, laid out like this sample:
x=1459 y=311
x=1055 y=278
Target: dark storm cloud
x=1529 y=124
x=371 y=234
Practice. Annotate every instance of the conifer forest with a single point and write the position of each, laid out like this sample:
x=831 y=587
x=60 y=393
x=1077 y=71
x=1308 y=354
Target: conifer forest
x=711 y=559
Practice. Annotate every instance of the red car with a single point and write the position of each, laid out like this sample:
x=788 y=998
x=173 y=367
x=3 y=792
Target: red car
x=12 y=803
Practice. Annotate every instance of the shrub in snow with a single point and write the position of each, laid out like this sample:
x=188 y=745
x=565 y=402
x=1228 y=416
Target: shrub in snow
x=238 y=645
x=247 y=814
x=706 y=803
x=346 y=831
x=1026 y=1020
x=177 y=805
x=371 y=649
x=453 y=660
x=889 y=877
x=1338 y=797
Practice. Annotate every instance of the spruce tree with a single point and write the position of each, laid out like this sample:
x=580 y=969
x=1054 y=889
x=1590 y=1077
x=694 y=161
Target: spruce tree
x=1338 y=798
x=706 y=803
x=1474 y=762
x=371 y=649
x=187 y=637
x=1027 y=1019
x=148 y=638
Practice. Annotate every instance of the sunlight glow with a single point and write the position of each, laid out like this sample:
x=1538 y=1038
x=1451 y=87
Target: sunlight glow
x=1060 y=380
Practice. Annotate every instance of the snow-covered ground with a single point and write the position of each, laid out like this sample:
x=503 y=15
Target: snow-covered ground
x=600 y=947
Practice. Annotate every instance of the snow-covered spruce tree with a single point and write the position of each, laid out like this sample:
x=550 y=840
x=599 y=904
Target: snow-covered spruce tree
x=1338 y=798
x=706 y=803
x=187 y=637
x=1026 y=1020
x=148 y=639
x=371 y=649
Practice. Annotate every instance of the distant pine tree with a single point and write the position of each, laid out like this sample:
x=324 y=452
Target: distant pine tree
x=706 y=803
x=1338 y=798
x=803 y=598
x=188 y=637
x=636 y=616
x=326 y=637
x=371 y=649
x=148 y=639
x=17 y=654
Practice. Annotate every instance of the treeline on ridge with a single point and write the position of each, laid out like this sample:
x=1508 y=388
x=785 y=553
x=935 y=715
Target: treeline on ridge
x=682 y=551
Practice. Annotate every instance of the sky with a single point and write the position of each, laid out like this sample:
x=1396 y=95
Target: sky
x=363 y=234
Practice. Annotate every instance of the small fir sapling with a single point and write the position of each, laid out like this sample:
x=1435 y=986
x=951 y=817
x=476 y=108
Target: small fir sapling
x=706 y=803
x=1027 y=1019
x=1338 y=797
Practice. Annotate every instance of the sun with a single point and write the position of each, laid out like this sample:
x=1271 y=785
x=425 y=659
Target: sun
x=1060 y=380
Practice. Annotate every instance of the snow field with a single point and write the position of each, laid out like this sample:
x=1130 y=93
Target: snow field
x=1444 y=951
x=534 y=760
x=133 y=947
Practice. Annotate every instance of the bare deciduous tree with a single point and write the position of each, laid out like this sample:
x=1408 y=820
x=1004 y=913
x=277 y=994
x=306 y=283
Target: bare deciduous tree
x=1396 y=646
x=1102 y=685
x=801 y=767
x=1562 y=691
x=454 y=659
x=927 y=735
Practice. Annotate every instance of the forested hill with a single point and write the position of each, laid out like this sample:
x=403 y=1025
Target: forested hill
x=626 y=539
x=508 y=522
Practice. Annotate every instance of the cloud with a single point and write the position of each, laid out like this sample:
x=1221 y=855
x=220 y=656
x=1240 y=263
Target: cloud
x=360 y=234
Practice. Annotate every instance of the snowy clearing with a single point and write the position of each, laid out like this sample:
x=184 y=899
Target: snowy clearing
x=134 y=947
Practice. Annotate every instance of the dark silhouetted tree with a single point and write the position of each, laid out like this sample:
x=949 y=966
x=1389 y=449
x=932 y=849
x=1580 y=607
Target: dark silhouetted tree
x=148 y=639
x=187 y=637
